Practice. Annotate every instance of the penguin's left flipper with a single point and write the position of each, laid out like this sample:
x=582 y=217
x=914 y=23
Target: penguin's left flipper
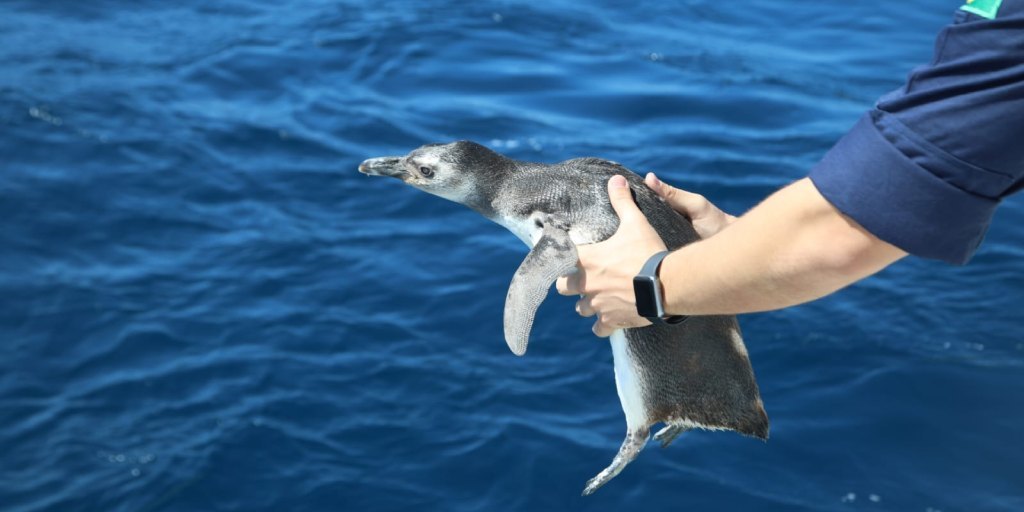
x=553 y=256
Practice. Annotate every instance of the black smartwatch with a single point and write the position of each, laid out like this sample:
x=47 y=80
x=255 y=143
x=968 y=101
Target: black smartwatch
x=650 y=302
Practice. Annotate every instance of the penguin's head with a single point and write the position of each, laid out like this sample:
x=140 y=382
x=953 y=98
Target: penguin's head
x=461 y=171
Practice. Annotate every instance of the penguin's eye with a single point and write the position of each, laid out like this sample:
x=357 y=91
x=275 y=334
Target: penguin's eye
x=427 y=172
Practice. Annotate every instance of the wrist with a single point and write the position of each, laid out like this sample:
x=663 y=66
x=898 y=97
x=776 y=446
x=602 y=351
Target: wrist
x=669 y=278
x=649 y=292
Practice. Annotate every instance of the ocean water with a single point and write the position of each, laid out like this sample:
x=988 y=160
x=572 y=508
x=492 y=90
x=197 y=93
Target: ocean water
x=204 y=307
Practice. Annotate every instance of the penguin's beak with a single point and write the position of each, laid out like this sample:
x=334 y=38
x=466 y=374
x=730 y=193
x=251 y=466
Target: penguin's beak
x=384 y=166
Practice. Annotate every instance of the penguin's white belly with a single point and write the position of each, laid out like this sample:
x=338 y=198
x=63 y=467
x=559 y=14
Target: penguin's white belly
x=627 y=382
x=523 y=228
x=528 y=230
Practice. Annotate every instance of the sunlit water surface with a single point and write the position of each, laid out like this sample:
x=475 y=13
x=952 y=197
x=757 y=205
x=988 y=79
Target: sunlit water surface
x=203 y=306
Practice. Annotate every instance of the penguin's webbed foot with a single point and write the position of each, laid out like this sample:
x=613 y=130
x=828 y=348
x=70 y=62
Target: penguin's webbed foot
x=631 y=446
x=669 y=433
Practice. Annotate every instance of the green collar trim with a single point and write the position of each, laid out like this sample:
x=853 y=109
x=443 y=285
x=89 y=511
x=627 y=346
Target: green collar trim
x=984 y=8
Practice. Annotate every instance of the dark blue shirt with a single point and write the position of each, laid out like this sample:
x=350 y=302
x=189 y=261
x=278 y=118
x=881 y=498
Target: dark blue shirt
x=926 y=168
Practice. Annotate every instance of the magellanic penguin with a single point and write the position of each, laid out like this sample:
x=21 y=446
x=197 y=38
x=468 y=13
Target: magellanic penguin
x=692 y=375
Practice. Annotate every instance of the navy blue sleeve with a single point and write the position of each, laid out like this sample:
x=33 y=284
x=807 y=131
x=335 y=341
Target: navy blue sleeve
x=925 y=169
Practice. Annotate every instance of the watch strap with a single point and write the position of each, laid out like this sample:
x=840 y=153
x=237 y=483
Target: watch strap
x=651 y=268
x=653 y=264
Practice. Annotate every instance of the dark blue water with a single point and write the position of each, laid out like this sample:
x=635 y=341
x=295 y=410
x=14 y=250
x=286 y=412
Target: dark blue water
x=203 y=306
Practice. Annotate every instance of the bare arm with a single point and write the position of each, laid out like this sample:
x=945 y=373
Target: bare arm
x=792 y=248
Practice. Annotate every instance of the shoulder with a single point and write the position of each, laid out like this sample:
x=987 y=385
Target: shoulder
x=598 y=167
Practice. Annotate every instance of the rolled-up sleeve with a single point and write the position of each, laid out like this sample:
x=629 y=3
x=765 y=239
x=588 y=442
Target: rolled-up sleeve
x=927 y=167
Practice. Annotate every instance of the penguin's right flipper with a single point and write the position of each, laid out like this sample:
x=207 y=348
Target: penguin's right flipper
x=553 y=256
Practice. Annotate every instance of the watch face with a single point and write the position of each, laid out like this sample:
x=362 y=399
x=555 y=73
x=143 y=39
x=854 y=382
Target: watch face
x=645 y=289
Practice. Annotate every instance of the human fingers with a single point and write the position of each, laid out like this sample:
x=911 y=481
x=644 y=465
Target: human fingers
x=584 y=307
x=622 y=201
x=689 y=204
x=569 y=284
x=602 y=330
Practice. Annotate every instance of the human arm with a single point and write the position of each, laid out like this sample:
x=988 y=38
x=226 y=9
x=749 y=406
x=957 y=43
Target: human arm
x=792 y=248
x=921 y=173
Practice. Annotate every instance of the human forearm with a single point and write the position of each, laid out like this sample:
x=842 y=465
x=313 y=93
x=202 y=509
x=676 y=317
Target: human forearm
x=792 y=248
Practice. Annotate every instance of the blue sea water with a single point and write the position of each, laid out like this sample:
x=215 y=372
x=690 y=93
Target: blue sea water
x=204 y=307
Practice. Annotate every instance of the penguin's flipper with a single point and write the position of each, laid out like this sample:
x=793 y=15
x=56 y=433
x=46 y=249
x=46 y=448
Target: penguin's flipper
x=553 y=256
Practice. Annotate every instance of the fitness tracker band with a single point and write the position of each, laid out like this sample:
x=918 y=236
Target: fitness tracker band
x=650 y=302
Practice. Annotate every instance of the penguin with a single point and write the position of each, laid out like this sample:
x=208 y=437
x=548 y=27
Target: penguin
x=696 y=374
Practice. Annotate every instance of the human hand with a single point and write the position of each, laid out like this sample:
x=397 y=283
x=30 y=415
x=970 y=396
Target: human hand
x=707 y=219
x=606 y=269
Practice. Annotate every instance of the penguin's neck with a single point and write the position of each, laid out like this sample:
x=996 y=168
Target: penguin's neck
x=489 y=192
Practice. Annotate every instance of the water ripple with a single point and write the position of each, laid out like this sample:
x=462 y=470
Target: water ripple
x=205 y=306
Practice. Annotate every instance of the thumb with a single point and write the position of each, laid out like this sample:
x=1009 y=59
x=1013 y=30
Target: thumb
x=621 y=197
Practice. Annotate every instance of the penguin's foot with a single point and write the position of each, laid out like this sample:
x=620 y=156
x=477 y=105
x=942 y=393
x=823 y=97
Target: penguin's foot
x=669 y=433
x=631 y=446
